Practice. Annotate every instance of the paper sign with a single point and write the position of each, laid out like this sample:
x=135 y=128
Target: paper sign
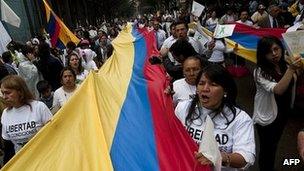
x=222 y=31
x=209 y=147
x=197 y=9
x=201 y=38
x=294 y=42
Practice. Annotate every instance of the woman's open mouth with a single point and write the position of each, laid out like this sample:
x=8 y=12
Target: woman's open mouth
x=204 y=98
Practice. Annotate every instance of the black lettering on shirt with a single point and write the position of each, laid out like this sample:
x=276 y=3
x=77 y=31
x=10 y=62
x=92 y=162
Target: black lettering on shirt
x=21 y=127
x=217 y=138
x=197 y=134
x=190 y=131
x=222 y=139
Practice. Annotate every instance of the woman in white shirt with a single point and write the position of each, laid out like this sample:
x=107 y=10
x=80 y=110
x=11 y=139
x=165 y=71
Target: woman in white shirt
x=24 y=116
x=233 y=128
x=274 y=89
x=184 y=89
x=212 y=22
x=62 y=94
x=218 y=51
x=75 y=62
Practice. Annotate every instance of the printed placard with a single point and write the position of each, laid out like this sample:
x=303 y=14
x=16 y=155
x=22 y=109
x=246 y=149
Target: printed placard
x=222 y=31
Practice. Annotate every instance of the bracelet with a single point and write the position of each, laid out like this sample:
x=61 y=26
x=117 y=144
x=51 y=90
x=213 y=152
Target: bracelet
x=228 y=160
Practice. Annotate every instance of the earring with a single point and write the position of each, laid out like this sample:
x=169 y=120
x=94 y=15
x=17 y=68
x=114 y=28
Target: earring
x=225 y=95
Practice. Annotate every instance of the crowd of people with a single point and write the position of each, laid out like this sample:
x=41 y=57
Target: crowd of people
x=38 y=79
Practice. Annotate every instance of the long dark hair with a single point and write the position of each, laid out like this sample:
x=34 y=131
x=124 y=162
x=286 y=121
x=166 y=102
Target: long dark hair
x=264 y=47
x=80 y=68
x=218 y=74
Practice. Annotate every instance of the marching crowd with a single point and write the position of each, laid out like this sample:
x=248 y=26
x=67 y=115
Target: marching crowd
x=38 y=79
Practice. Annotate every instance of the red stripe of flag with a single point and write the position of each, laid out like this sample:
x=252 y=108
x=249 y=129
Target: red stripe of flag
x=175 y=147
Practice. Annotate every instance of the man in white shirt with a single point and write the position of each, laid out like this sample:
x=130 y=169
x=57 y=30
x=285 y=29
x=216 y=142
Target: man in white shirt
x=181 y=30
x=244 y=18
x=185 y=89
x=169 y=41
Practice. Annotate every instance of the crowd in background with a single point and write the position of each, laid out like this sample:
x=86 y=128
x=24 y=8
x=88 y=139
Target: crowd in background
x=201 y=85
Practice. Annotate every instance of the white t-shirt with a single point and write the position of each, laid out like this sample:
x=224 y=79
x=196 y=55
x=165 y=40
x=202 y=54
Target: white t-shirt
x=160 y=37
x=238 y=137
x=182 y=90
x=218 y=52
x=170 y=41
x=211 y=23
x=81 y=77
x=265 y=106
x=247 y=22
x=61 y=97
x=167 y=44
x=20 y=124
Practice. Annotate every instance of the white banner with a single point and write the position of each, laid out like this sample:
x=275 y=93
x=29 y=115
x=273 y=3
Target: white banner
x=4 y=39
x=8 y=15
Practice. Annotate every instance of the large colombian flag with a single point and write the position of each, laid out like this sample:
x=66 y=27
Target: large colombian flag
x=59 y=33
x=247 y=39
x=119 y=119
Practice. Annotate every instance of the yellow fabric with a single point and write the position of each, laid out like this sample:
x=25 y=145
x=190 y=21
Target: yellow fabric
x=247 y=54
x=80 y=135
x=65 y=35
x=114 y=77
x=47 y=10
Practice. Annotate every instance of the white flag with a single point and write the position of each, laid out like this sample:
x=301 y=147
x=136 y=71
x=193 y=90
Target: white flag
x=4 y=39
x=8 y=15
x=209 y=147
x=197 y=9
x=222 y=31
